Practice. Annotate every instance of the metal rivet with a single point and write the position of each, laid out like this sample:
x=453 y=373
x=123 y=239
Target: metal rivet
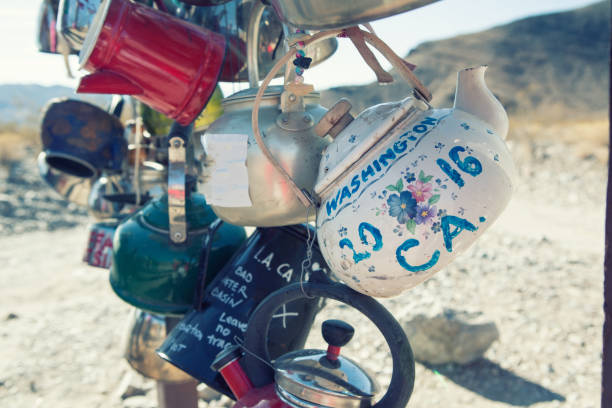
x=326 y=169
x=307 y=118
x=292 y=98
x=177 y=143
x=285 y=119
x=178 y=236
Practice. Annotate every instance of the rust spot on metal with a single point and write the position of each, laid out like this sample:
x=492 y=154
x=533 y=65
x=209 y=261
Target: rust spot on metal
x=61 y=127
x=88 y=132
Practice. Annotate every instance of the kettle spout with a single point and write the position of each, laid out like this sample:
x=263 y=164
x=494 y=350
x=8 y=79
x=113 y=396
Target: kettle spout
x=106 y=82
x=473 y=96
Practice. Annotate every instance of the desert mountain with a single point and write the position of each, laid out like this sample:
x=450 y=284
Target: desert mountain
x=552 y=66
x=22 y=104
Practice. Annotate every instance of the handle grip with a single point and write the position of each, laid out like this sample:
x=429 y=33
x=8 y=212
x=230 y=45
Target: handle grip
x=337 y=333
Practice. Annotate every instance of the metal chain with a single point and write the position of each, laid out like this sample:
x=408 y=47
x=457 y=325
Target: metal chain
x=239 y=342
x=307 y=262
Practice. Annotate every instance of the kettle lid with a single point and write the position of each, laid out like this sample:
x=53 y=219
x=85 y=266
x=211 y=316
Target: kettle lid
x=360 y=136
x=271 y=93
x=324 y=378
x=198 y=214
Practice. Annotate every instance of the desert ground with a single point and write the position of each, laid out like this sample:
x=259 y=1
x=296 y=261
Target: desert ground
x=537 y=274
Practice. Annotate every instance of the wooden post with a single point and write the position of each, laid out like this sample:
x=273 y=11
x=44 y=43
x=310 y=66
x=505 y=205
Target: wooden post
x=172 y=395
x=181 y=395
x=606 y=374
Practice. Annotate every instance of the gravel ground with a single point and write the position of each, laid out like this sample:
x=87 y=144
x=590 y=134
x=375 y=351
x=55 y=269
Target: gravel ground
x=537 y=273
x=28 y=204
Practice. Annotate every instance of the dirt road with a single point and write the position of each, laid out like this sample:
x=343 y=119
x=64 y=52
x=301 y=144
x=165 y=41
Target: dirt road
x=537 y=274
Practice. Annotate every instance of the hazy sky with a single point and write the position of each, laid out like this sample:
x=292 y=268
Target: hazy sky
x=21 y=63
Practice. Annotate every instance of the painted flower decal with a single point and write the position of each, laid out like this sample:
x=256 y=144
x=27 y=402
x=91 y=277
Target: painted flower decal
x=402 y=206
x=436 y=227
x=409 y=177
x=413 y=204
x=425 y=214
x=420 y=191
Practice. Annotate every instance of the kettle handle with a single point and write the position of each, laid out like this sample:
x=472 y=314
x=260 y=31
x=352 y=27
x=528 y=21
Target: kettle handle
x=198 y=295
x=398 y=63
x=402 y=379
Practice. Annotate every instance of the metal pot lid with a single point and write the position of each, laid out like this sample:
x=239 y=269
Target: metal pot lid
x=360 y=136
x=324 y=14
x=271 y=93
x=307 y=375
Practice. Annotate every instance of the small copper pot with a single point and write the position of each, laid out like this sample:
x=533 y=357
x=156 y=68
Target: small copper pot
x=146 y=332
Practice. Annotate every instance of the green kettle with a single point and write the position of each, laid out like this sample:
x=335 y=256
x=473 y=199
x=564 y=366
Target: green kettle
x=151 y=272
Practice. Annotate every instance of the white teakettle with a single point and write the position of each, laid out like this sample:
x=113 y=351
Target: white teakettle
x=405 y=188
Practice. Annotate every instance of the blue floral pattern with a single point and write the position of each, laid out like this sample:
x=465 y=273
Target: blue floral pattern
x=409 y=177
x=425 y=214
x=402 y=206
x=436 y=227
x=413 y=204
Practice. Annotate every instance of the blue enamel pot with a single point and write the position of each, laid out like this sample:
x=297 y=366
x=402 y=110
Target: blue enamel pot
x=81 y=139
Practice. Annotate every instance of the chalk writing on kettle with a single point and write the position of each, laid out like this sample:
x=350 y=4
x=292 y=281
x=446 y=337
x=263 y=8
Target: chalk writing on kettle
x=283 y=270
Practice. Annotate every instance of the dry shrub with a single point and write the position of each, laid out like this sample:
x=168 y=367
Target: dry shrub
x=587 y=137
x=16 y=141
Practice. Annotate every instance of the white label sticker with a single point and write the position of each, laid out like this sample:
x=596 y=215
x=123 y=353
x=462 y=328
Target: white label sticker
x=228 y=185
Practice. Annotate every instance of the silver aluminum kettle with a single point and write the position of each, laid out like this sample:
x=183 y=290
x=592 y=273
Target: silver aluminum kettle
x=259 y=195
x=325 y=14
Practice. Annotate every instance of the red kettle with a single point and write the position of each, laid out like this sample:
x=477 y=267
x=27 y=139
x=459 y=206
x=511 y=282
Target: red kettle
x=315 y=378
x=167 y=63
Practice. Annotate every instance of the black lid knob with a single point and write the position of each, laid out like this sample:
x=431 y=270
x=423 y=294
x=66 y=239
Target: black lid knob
x=336 y=332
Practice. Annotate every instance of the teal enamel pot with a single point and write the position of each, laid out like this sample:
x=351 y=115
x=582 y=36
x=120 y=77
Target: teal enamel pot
x=151 y=272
